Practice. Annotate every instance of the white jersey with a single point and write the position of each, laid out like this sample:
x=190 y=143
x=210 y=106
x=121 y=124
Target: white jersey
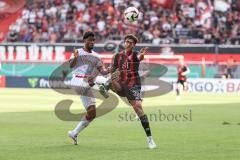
x=87 y=63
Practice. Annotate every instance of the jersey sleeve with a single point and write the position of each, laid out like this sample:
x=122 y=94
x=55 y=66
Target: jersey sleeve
x=99 y=62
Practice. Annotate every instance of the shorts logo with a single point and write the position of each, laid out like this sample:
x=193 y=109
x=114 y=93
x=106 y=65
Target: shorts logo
x=135 y=93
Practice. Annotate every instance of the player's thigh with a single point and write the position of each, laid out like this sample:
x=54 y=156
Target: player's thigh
x=116 y=87
x=180 y=85
x=88 y=98
x=91 y=111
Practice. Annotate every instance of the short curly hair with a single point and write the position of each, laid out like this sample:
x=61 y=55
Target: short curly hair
x=131 y=36
x=88 y=34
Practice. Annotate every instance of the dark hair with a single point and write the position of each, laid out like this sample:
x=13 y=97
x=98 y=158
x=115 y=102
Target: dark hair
x=131 y=36
x=88 y=34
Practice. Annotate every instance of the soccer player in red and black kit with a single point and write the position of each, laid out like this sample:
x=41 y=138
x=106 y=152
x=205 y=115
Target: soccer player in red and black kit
x=183 y=71
x=128 y=82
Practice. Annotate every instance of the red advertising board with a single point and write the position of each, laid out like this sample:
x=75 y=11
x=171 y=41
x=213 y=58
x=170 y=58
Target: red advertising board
x=2 y=81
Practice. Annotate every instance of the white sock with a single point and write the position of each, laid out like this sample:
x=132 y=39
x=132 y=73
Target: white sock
x=80 y=126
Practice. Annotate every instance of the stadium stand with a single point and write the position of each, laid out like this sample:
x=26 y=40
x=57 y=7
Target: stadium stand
x=182 y=22
x=9 y=12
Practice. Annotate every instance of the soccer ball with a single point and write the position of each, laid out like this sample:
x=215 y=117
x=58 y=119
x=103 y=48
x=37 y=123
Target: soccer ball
x=131 y=14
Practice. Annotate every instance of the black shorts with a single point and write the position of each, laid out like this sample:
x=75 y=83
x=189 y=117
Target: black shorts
x=181 y=82
x=133 y=93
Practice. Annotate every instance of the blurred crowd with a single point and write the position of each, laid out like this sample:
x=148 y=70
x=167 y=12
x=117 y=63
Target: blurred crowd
x=181 y=22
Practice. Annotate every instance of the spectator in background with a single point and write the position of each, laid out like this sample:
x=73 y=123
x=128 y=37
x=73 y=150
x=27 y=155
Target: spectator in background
x=187 y=21
x=12 y=36
x=230 y=67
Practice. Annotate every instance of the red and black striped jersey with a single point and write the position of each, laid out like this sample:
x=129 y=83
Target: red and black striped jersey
x=128 y=66
x=181 y=69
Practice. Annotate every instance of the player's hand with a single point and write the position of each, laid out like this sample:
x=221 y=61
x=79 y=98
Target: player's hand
x=144 y=51
x=75 y=53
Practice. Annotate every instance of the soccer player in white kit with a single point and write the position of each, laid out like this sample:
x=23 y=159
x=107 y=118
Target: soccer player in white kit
x=85 y=65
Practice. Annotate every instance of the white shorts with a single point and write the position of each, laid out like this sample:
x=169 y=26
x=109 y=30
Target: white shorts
x=84 y=90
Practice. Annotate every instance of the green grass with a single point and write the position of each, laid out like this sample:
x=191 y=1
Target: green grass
x=30 y=130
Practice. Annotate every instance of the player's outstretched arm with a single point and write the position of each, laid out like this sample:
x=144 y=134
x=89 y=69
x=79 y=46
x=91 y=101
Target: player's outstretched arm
x=74 y=61
x=143 y=51
x=186 y=72
x=103 y=71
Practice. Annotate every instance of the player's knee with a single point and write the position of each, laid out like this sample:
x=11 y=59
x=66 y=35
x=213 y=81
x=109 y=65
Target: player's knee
x=91 y=116
x=91 y=113
x=138 y=108
x=139 y=105
x=139 y=112
x=116 y=86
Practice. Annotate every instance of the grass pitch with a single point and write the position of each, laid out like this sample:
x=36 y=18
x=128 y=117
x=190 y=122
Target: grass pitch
x=30 y=130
